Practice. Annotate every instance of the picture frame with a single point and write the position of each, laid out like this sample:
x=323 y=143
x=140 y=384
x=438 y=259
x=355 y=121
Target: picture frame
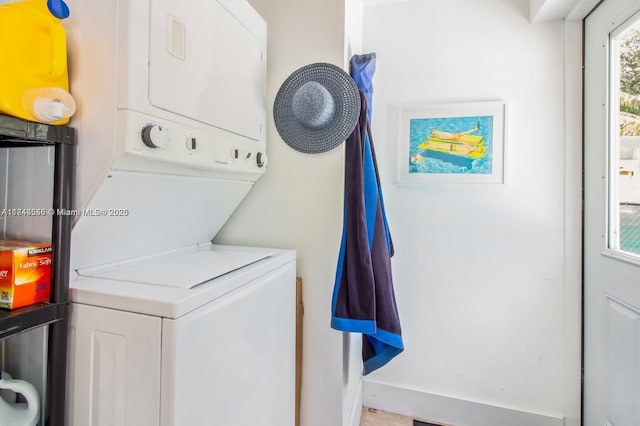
x=455 y=143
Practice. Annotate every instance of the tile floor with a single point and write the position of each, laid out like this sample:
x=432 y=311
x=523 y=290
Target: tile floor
x=373 y=417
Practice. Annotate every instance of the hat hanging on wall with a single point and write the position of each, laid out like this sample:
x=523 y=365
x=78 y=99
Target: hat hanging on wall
x=316 y=108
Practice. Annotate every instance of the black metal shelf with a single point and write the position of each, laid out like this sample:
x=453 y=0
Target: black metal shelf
x=23 y=319
x=16 y=133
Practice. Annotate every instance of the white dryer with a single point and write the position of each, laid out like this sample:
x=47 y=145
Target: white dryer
x=168 y=329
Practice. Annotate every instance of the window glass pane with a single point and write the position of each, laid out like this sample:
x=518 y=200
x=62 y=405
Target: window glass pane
x=624 y=149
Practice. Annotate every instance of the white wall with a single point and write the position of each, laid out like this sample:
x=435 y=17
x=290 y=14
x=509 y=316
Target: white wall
x=479 y=271
x=298 y=203
x=573 y=216
x=482 y=273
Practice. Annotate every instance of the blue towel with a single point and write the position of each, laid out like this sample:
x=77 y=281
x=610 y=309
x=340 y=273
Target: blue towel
x=363 y=296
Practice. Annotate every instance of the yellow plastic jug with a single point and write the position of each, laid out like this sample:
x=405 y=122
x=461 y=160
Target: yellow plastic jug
x=33 y=60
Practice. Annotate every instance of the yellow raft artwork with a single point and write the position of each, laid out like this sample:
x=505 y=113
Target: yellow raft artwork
x=462 y=144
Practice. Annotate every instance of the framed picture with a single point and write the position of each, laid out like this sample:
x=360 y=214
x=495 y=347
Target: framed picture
x=452 y=143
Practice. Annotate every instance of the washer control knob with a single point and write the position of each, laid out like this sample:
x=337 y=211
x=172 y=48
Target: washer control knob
x=153 y=135
x=261 y=159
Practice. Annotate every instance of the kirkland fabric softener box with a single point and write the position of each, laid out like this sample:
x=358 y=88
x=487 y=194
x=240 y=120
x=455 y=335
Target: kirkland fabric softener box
x=25 y=273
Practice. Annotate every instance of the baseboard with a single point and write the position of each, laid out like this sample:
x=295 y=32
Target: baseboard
x=448 y=410
x=356 y=410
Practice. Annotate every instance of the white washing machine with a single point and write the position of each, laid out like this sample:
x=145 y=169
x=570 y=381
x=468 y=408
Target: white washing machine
x=168 y=329
x=149 y=346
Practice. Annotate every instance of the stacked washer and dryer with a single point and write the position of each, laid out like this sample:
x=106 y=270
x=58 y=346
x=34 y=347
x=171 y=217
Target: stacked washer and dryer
x=167 y=328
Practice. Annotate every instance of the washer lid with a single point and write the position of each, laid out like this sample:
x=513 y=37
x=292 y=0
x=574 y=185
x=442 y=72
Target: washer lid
x=175 y=302
x=138 y=215
x=184 y=268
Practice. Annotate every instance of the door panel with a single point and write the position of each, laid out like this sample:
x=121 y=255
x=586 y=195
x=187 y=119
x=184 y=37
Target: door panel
x=114 y=368
x=623 y=332
x=611 y=264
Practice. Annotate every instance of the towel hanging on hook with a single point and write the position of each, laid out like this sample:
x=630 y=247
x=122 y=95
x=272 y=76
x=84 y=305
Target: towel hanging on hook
x=363 y=296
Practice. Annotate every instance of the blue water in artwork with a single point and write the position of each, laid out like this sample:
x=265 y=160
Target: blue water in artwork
x=430 y=161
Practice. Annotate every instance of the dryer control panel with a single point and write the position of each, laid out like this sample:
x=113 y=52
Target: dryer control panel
x=152 y=138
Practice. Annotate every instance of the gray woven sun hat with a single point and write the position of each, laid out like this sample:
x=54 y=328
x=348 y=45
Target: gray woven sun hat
x=316 y=108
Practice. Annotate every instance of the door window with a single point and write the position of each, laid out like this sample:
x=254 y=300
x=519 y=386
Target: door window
x=624 y=141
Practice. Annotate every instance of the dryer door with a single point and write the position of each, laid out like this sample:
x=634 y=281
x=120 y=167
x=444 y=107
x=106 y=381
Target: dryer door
x=206 y=62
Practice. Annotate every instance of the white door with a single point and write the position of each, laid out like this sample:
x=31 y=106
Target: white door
x=612 y=215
